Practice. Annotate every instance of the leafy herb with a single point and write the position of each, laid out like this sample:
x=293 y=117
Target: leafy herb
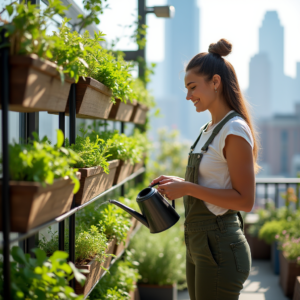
x=41 y=162
x=41 y=277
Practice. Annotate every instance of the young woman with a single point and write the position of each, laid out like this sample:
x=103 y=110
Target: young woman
x=219 y=180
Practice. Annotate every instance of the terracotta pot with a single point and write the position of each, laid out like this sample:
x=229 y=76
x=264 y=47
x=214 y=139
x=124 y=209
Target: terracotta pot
x=297 y=289
x=93 y=99
x=157 y=292
x=289 y=270
x=95 y=181
x=32 y=204
x=35 y=85
x=139 y=114
x=124 y=170
x=95 y=271
x=121 y=111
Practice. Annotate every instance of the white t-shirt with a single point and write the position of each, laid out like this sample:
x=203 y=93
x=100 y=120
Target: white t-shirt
x=213 y=169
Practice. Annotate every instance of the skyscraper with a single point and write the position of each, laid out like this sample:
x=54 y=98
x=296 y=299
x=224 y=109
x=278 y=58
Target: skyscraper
x=182 y=35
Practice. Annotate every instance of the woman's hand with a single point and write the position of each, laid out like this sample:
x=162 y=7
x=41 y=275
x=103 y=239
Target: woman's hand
x=164 y=179
x=173 y=188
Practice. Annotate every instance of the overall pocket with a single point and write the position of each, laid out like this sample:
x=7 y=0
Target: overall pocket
x=242 y=256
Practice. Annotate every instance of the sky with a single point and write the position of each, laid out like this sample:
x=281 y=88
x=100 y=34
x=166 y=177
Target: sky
x=236 y=20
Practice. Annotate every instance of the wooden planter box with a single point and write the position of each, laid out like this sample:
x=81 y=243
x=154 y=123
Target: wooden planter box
x=157 y=292
x=32 y=204
x=95 y=271
x=121 y=111
x=35 y=85
x=134 y=295
x=93 y=99
x=124 y=170
x=139 y=114
x=297 y=289
x=289 y=270
x=259 y=248
x=95 y=181
x=138 y=166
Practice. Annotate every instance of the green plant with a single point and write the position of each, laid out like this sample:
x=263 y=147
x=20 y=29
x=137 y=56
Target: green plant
x=89 y=244
x=160 y=257
x=119 y=282
x=40 y=162
x=270 y=229
x=91 y=153
x=290 y=247
x=41 y=277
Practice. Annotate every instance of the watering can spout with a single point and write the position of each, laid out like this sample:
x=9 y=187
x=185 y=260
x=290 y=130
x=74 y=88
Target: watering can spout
x=132 y=212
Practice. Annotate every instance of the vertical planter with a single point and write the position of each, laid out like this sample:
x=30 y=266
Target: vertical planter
x=121 y=111
x=289 y=270
x=95 y=181
x=95 y=271
x=139 y=114
x=35 y=85
x=275 y=261
x=157 y=292
x=297 y=289
x=32 y=204
x=124 y=170
x=93 y=99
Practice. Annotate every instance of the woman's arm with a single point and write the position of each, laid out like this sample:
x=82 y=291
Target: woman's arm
x=239 y=157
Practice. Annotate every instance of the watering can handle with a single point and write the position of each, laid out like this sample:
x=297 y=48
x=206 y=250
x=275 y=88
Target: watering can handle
x=173 y=201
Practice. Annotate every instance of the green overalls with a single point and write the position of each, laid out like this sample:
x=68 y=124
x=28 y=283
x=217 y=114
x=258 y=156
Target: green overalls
x=218 y=258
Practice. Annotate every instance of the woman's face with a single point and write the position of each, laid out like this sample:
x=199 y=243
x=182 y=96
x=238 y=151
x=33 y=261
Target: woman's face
x=199 y=91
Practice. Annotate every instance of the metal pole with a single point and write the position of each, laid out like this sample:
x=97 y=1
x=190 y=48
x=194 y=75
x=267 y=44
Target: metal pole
x=72 y=119
x=276 y=195
x=5 y=85
x=123 y=185
x=266 y=194
x=61 y=225
x=142 y=21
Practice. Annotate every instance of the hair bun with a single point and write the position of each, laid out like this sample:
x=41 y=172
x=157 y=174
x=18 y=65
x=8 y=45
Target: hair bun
x=222 y=47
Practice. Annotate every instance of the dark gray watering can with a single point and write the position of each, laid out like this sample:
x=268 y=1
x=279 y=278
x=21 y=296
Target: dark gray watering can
x=157 y=213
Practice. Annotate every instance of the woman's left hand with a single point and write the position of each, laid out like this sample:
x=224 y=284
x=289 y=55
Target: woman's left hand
x=173 y=189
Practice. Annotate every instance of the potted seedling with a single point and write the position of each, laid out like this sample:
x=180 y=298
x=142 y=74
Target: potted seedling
x=42 y=182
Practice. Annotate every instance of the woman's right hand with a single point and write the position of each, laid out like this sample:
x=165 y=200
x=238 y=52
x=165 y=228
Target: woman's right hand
x=164 y=179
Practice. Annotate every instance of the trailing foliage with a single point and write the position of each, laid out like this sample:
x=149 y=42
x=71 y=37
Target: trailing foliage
x=91 y=153
x=41 y=277
x=119 y=282
x=41 y=162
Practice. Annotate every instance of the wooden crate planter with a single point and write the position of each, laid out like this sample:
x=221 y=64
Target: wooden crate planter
x=95 y=181
x=32 y=204
x=289 y=270
x=157 y=292
x=124 y=170
x=121 y=111
x=93 y=99
x=139 y=114
x=138 y=166
x=35 y=85
x=297 y=289
x=95 y=271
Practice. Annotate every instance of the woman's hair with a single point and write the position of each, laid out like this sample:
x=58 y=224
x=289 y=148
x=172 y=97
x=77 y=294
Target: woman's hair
x=211 y=63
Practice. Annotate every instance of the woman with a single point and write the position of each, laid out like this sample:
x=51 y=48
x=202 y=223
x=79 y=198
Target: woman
x=219 y=180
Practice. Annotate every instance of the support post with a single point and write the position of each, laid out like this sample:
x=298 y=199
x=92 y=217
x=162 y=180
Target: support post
x=5 y=84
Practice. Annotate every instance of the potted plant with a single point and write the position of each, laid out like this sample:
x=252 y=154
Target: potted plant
x=120 y=283
x=161 y=263
x=36 y=84
x=42 y=182
x=97 y=174
x=41 y=277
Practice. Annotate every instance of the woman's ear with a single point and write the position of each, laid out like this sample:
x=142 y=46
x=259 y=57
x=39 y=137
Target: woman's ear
x=216 y=81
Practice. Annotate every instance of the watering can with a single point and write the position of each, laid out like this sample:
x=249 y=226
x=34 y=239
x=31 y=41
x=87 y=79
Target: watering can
x=157 y=213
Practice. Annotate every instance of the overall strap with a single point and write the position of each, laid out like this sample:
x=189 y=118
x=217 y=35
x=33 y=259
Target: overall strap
x=197 y=140
x=217 y=130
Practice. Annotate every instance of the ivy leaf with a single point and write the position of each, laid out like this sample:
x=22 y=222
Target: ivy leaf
x=9 y=9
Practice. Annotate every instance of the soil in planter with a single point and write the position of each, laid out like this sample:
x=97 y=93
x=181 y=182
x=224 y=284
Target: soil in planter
x=157 y=292
x=35 y=85
x=32 y=204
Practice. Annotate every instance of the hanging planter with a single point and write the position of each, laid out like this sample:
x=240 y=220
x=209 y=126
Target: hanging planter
x=93 y=99
x=35 y=85
x=32 y=204
x=289 y=270
x=139 y=114
x=95 y=181
x=121 y=111
x=124 y=170
x=95 y=270
x=157 y=292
